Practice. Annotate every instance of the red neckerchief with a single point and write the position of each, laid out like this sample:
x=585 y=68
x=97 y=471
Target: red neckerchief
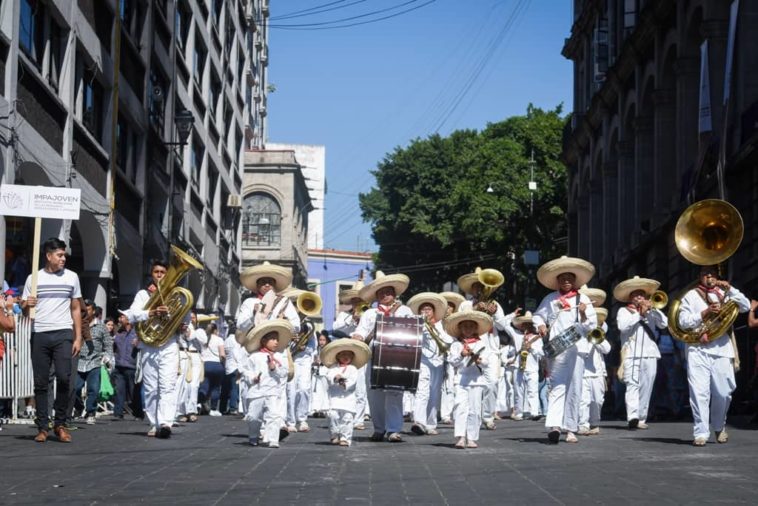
x=468 y=341
x=632 y=308
x=564 y=298
x=151 y=288
x=270 y=356
x=704 y=289
x=386 y=312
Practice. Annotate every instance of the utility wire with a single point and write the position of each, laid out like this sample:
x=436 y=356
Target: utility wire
x=313 y=10
x=322 y=25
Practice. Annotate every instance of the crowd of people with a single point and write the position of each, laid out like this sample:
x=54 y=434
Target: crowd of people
x=477 y=363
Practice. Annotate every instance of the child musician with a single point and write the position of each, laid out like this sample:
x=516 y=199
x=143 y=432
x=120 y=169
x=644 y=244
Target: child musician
x=343 y=357
x=476 y=363
x=320 y=389
x=265 y=374
x=528 y=345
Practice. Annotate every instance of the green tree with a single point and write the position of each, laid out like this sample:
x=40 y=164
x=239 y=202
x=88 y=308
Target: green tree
x=433 y=218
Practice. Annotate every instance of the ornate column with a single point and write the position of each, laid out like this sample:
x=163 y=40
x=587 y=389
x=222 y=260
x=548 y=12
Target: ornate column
x=665 y=155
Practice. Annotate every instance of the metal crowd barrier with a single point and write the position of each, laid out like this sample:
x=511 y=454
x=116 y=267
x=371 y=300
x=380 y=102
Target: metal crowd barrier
x=16 y=378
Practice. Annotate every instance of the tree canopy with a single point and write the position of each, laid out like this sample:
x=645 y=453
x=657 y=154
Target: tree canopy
x=434 y=219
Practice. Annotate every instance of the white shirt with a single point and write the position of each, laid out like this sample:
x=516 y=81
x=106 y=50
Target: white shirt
x=482 y=374
x=429 y=350
x=212 y=353
x=54 y=294
x=342 y=397
x=594 y=364
x=536 y=352
x=138 y=313
x=344 y=322
x=262 y=381
x=690 y=317
x=246 y=313
x=633 y=335
x=195 y=339
x=231 y=347
x=549 y=313
x=368 y=320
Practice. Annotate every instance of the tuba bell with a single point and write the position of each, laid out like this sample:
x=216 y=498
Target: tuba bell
x=157 y=330
x=309 y=303
x=491 y=280
x=707 y=233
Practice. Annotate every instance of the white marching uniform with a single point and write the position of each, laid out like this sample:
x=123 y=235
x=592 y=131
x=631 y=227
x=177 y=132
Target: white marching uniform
x=641 y=358
x=432 y=370
x=492 y=340
x=447 y=401
x=191 y=370
x=347 y=324
x=386 y=405
x=299 y=389
x=342 y=401
x=505 y=391
x=526 y=383
x=474 y=382
x=710 y=369
x=567 y=369
x=160 y=368
x=264 y=389
x=593 y=388
x=320 y=387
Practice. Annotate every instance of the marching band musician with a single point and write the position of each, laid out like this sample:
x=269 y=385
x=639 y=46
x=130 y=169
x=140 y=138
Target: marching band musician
x=346 y=322
x=191 y=370
x=264 y=371
x=561 y=310
x=637 y=322
x=595 y=374
x=710 y=369
x=470 y=284
x=505 y=395
x=159 y=363
x=386 y=405
x=432 y=307
x=475 y=360
x=526 y=380
x=447 y=401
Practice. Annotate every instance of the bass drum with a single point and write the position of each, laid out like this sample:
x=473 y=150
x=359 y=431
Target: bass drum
x=396 y=353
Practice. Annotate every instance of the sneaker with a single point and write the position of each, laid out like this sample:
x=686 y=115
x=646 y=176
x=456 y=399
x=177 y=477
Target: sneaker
x=418 y=430
x=215 y=412
x=489 y=425
x=699 y=441
x=29 y=412
x=461 y=443
x=594 y=431
x=253 y=441
x=472 y=444
x=152 y=432
x=517 y=417
x=583 y=431
x=303 y=427
x=536 y=418
x=359 y=426
x=571 y=438
x=291 y=428
x=70 y=426
x=722 y=436
x=642 y=425
x=164 y=432
x=274 y=445
x=554 y=436
x=395 y=437
x=91 y=420
x=633 y=423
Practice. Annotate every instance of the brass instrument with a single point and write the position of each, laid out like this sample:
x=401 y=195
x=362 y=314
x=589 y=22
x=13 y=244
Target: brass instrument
x=491 y=280
x=523 y=355
x=362 y=308
x=157 y=330
x=707 y=233
x=659 y=299
x=206 y=319
x=596 y=336
x=308 y=304
x=442 y=346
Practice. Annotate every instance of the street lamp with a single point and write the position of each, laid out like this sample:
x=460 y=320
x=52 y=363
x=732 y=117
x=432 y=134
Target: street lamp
x=184 y=120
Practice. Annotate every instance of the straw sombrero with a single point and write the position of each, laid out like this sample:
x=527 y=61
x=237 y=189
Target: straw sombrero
x=361 y=350
x=602 y=314
x=347 y=296
x=549 y=272
x=466 y=281
x=523 y=319
x=453 y=298
x=483 y=322
x=437 y=301
x=252 y=340
x=596 y=295
x=281 y=275
x=292 y=293
x=399 y=282
x=624 y=289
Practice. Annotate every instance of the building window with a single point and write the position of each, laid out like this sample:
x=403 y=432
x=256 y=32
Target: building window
x=157 y=99
x=261 y=221
x=198 y=152
x=128 y=144
x=31 y=30
x=92 y=100
x=183 y=21
x=198 y=61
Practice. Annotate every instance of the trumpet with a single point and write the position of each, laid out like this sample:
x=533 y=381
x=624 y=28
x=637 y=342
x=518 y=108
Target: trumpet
x=596 y=336
x=659 y=299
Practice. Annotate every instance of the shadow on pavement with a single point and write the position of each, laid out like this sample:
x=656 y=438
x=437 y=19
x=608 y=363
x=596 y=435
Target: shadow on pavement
x=666 y=440
x=541 y=440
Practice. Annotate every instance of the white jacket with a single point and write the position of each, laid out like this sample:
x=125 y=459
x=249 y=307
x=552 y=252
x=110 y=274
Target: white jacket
x=246 y=313
x=368 y=320
x=634 y=338
x=342 y=397
x=482 y=374
x=262 y=381
x=429 y=351
x=549 y=313
x=344 y=322
x=536 y=352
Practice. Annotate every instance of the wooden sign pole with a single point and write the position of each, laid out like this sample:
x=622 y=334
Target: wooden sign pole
x=35 y=262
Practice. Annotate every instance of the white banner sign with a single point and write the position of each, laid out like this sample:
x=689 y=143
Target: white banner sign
x=40 y=201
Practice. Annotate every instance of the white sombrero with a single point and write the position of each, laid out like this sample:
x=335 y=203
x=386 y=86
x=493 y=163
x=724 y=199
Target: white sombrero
x=281 y=275
x=483 y=322
x=466 y=281
x=549 y=272
x=292 y=293
x=596 y=295
x=624 y=289
x=399 y=282
x=252 y=340
x=347 y=296
x=437 y=301
x=523 y=319
x=453 y=298
x=602 y=314
x=361 y=352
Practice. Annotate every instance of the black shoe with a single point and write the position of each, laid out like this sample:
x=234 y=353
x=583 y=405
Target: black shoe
x=283 y=434
x=633 y=423
x=164 y=432
x=537 y=418
x=553 y=437
x=418 y=430
x=377 y=437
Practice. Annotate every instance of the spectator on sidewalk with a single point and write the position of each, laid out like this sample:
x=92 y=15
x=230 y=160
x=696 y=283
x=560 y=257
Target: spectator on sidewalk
x=213 y=355
x=230 y=387
x=96 y=352
x=125 y=350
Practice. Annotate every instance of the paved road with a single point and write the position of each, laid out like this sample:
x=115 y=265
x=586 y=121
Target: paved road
x=210 y=463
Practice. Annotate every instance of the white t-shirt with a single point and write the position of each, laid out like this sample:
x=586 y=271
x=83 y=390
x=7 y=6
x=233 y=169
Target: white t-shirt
x=210 y=353
x=54 y=293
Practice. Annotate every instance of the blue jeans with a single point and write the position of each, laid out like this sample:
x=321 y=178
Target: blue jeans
x=230 y=393
x=211 y=387
x=123 y=377
x=92 y=379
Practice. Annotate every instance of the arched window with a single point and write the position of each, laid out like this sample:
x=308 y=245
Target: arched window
x=261 y=221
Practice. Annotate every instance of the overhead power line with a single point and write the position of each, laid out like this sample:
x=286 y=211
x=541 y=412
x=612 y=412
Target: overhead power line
x=328 y=25
x=314 y=10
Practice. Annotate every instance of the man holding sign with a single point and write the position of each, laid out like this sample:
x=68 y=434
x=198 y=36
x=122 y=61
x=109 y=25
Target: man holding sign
x=56 y=334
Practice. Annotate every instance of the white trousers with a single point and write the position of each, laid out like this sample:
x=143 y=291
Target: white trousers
x=198 y=371
x=409 y=399
x=566 y=372
x=506 y=395
x=386 y=410
x=711 y=382
x=428 y=395
x=299 y=393
x=319 y=394
x=593 y=394
x=182 y=387
x=489 y=402
x=468 y=409
x=639 y=377
x=341 y=424
x=160 y=367
x=263 y=411
x=447 y=400
x=526 y=392
x=361 y=395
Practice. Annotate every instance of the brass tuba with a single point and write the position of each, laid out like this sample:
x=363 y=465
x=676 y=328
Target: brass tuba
x=491 y=280
x=707 y=233
x=308 y=304
x=157 y=330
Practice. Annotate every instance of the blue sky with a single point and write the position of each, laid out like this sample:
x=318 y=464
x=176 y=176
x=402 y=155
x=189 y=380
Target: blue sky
x=363 y=90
